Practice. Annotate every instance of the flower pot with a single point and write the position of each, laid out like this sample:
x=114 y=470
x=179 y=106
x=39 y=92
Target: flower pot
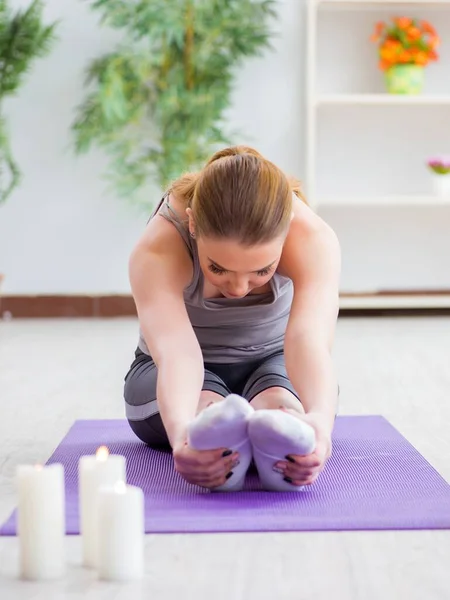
x=405 y=79
x=441 y=185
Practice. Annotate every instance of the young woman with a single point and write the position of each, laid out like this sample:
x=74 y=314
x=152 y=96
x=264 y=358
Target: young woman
x=236 y=283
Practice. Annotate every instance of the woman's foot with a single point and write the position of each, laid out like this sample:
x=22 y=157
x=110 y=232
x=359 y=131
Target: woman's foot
x=274 y=435
x=224 y=424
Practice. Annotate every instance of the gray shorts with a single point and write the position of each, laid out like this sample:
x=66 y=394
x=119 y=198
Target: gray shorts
x=246 y=379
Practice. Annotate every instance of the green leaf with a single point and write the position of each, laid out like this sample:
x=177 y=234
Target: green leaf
x=24 y=37
x=157 y=104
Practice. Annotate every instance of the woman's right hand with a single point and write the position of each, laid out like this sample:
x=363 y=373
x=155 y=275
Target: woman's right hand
x=206 y=468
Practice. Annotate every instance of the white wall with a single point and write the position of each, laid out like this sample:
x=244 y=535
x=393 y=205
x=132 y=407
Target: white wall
x=62 y=233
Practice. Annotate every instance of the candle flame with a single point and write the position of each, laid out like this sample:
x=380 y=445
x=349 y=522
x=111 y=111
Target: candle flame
x=102 y=453
x=120 y=487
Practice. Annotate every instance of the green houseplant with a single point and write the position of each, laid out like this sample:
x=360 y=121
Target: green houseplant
x=157 y=103
x=23 y=38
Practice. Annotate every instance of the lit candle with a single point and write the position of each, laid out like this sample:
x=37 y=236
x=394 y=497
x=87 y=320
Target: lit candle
x=121 y=533
x=102 y=469
x=41 y=521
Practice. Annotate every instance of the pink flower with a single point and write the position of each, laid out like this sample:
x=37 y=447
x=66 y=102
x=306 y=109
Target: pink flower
x=440 y=160
x=439 y=164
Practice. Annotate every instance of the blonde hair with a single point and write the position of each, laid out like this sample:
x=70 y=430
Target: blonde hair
x=239 y=195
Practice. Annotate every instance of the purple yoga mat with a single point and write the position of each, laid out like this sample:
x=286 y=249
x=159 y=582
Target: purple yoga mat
x=375 y=479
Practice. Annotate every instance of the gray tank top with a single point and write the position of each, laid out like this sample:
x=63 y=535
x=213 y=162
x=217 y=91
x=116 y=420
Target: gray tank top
x=231 y=330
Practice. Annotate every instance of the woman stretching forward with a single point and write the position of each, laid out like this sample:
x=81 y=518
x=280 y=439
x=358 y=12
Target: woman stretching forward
x=236 y=285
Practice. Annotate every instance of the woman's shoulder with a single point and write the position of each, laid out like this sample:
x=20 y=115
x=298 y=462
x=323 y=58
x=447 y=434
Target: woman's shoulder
x=161 y=240
x=309 y=243
x=177 y=206
x=306 y=221
x=161 y=230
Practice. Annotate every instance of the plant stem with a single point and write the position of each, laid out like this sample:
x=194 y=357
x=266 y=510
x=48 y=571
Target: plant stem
x=166 y=61
x=189 y=46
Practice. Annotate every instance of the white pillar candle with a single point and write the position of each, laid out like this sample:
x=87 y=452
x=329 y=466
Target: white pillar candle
x=41 y=521
x=96 y=471
x=121 y=533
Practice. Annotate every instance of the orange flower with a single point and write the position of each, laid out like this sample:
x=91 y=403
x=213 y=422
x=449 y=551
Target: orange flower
x=421 y=58
x=384 y=65
x=414 y=34
x=403 y=22
x=387 y=54
x=404 y=57
x=428 y=28
x=379 y=28
x=433 y=55
x=434 y=42
x=393 y=45
x=406 y=43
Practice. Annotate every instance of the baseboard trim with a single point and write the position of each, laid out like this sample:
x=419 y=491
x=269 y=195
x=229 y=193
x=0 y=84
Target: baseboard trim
x=394 y=312
x=117 y=305
x=67 y=306
x=401 y=301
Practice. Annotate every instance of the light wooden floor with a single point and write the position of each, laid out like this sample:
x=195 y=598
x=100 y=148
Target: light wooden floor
x=52 y=372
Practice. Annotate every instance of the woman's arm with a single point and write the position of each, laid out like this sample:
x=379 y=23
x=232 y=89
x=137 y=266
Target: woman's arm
x=160 y=269
x=312 y=259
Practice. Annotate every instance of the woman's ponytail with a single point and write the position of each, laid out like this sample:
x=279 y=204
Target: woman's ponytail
x=234 y=151
x=239 y=194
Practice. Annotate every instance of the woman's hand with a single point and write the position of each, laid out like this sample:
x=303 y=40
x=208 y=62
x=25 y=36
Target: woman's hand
x=304 y=470
x=206 y=468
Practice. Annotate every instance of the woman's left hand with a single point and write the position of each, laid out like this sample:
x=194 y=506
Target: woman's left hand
x=304 y=470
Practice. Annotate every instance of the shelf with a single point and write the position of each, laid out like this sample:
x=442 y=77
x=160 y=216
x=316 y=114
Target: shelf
x=363 y=201
x=394 y=301
x=382 y=99
x=318 y=98
x=329 y=3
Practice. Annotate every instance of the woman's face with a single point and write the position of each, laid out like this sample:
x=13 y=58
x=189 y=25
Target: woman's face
x=235 y=270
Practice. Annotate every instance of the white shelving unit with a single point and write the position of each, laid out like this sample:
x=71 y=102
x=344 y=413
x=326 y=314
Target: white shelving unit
x=378 y=2
x=392 y=201
x=382 y=99
x=315 y=101
x=394 y=302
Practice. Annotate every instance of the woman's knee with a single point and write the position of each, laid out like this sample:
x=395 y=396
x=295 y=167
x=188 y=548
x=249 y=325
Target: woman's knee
x=276 y=397
x=140 y=386
x=206 y=398
x=141 y=406
x=140 y=397
x=151 y=431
